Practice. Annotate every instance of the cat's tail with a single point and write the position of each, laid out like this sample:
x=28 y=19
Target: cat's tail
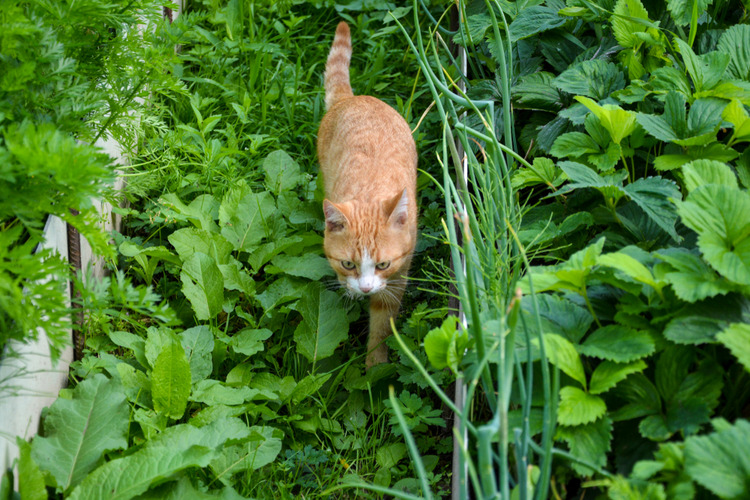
x=337 y=67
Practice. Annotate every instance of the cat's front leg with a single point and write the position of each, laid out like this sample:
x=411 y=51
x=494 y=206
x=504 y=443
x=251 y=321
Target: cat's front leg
x=383 y=307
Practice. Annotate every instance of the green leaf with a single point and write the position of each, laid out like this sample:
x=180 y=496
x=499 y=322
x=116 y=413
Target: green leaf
x=736 y=114
x=536 y=91
x=170 y=381
x=589 y=442
x=249 y=341
x=618 y=343
x=655 y=196
x=533 y=20
x=574 y=145
x=735 y=42
x=203 y=285
x=654 y=427
x=562 y=353
x=698 y=173
x=309 y=265
x=78 y=431
x=212 y=392
x=324 y=324
x=682 y=10
x=608 y=374
x=177 y=448
x=188 y=241
x=201 y=212
x=445 y=345
x=697 y=129
x=618 y=122
x=596 y=79
x=30 y=479
x=244 y=215
x=282 y=172
x=629 y=17
x=736 y=338
x=261 y=449
x=390 y=455
x=632 y=268
x=720 y=461
x=692 y=280
x=718 y=214
x=198 y=343
x=577 y=407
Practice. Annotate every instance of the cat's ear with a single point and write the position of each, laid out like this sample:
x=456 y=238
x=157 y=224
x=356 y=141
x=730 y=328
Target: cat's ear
x=335 y=218
x=399 y=209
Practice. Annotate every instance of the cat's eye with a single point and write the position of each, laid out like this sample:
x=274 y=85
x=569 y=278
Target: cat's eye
x=383 y=265
x=347 y=264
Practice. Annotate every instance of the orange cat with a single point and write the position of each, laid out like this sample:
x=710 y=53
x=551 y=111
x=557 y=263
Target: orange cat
x=369 y=165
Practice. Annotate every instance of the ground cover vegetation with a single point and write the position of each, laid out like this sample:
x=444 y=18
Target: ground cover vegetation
x=596 y=223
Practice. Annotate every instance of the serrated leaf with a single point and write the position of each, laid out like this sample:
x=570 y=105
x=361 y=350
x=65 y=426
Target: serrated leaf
x=619 y=123
x=589 y=442
x=212 y=392
x=736 y=114
x=735 y=42
x=596 y=79
x=701 y=172
x=608 y=374
x=655 y=196
x=629 y=17
x=261 y=449
x=718 y=214
x=632 y=268
x=618 y=343
x=445 y=345
x=536 y=91
x=170 y=381
x=203 y=285
x=692 y=280
x=324 y=324
x=577 y=407
x=736 y=338
x=390 y=455
x=282 y=172
x=654 y=427
x=682 y=10
x=562 y=353
x=78 y=431
x=533 y=20
x=720 y=461
x=244 y=215
x=177 y=448
x=574 y=145
x=188 y=241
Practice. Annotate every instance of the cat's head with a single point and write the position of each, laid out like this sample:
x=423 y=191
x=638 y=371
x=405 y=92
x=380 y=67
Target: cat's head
x=369 y=242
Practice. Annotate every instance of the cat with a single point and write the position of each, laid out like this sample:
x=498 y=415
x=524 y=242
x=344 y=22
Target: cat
x=368 y=160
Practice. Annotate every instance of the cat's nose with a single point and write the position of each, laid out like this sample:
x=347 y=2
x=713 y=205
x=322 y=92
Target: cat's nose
x=365 y=288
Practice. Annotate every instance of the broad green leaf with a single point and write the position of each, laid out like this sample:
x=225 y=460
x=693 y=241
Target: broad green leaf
x=632 y=268
x=577 y=407
x=655 y=196
x=132 y=342
x=309 y=265
x=618 y=122
x=697 y=129
x=446 y=344
x=718 y=152
x=157 y=340
x=78 y=431
x=249 y=341
x=698 y=173
x=324 y=324
x=629 y=18
x=735 y=42
x=30 y=479
x=693 y=329
x=262 y=447
x=188 y=241
x=170 y=381
x=183 y=489
x=736 y=338
x=308 y=386
x=559 y=315
x=618 y=343
x=562 y=353
x=203 y=285
x=536 y=91
x=533 y=20
x=623 y=489
x=736 y=114
x=608 y=374
x=589 y=442
x=213 y=392
x=244 y=216
x=574 y=145
x=692 y=280
x=719 y=215
x=201 y=212
x=390 y=455
x=198 y=343
x=178 y=448
x=281 y=291
x=282 y=172
x=720 y=461
x=672 y=368
x=595 y=78
x=682 y=10
x=654 y=427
